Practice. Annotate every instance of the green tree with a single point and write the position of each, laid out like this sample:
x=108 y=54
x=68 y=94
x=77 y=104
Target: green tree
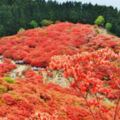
x=100 y=21
x=33 y=24
x=108 y=26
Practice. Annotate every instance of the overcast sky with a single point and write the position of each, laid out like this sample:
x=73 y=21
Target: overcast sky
x=114 y=3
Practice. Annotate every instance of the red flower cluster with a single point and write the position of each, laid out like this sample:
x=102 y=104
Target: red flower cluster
x=88 y=60
x=6 y=66
x=29 y=99
x=102 y=41
x=37 y=46
x=96 y=74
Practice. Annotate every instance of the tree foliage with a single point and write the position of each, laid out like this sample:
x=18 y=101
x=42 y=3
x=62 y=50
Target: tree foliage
x=16 y=14
x=108 y=26
x=100 y=20
x=33 y=24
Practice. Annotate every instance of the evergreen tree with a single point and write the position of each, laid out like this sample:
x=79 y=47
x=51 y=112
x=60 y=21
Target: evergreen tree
x=16 y=14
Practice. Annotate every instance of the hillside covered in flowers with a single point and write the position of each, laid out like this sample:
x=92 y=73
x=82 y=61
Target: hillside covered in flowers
x=64 y=71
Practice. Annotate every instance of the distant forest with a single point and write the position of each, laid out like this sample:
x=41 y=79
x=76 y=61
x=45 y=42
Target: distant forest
x=16 y=14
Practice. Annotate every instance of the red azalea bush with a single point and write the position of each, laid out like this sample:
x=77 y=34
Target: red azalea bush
x=102 y=41
x=96 y=77
x=6 y=66
x=30 y=99
x=37 y=46
x=90 y=62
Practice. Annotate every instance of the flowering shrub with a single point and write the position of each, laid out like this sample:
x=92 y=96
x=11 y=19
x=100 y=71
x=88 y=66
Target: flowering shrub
x=73 y=53
x=6 y=66
x=30 y=99
x=96 y=78
x=37 y=46
x=102 y=41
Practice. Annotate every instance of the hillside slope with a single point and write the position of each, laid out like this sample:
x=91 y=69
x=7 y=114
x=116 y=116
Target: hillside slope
x=64 y=71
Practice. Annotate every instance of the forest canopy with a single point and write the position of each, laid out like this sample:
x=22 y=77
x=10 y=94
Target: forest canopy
x=16 y=14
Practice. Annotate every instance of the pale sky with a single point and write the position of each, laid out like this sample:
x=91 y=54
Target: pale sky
x=114 y=3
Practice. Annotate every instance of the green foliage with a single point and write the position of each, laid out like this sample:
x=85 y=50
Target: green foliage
x=9 y=80
x=21 y=30
x=18 y=13
x=46 y=22
x=108 y=26
x=3 y=89
x=33 y=24
x=2 y=30
x=100 y=20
